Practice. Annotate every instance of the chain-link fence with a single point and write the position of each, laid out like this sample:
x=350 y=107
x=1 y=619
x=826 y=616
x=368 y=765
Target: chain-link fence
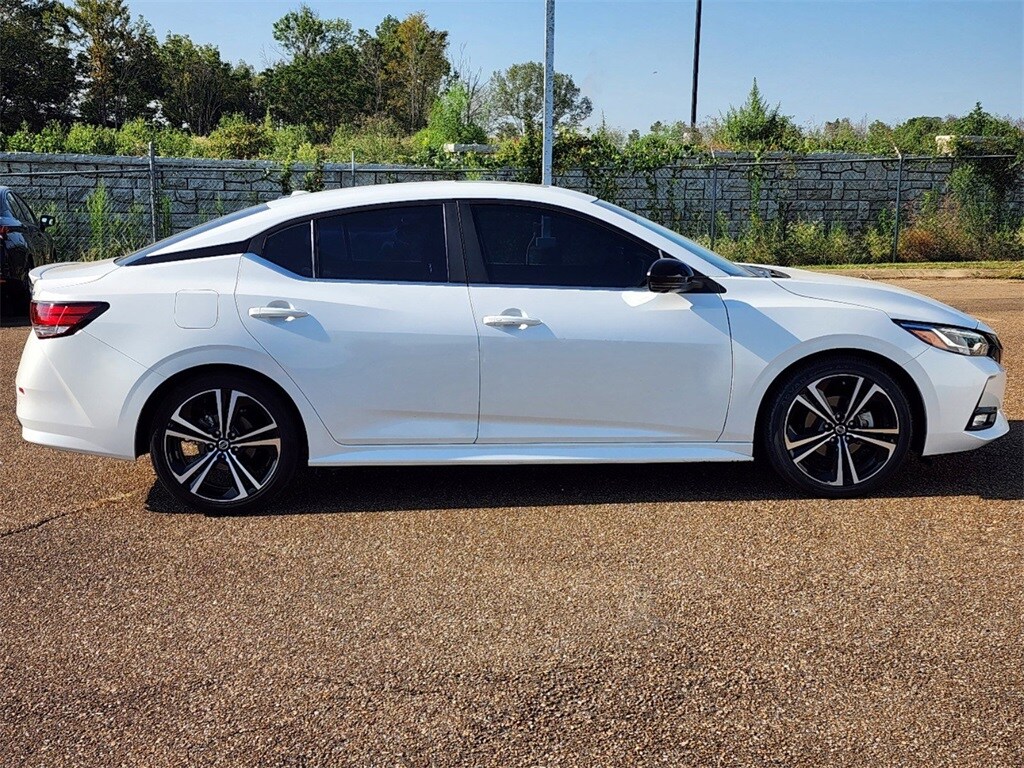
x=109 y=206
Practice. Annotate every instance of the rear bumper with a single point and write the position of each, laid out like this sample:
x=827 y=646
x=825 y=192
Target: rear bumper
x=90 y=418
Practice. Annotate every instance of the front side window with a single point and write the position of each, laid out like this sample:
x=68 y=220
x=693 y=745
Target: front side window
x=534 y=245
x=394 y=244
x=291 y=248
x=728 y=267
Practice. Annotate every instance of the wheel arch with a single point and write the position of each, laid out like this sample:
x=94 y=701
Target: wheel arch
x=917 y=407
x=144 y=425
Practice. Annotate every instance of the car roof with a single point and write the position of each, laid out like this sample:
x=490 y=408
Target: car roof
x=244 y=225
x=423 y=190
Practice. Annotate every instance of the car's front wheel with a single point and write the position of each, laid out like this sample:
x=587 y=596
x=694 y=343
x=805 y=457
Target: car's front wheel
x=224 y=444
x=839 y=427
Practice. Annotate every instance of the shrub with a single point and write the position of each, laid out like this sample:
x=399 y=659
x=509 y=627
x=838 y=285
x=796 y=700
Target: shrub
x=21 y=140
x=85 y=139
x=236 y=137
x=50 y=139
x=172 y=142
x=375 y=140
x=446 y=123
x=757 y=126
x=133 y=138
x=919 y=244
x=287 y=141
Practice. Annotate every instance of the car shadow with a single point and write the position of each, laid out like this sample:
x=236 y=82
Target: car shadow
x=18 y=321
x=993 y=472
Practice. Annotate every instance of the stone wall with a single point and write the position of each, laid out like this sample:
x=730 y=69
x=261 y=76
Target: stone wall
x=848 y=189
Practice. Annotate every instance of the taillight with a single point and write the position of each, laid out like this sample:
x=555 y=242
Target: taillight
x=62 y=318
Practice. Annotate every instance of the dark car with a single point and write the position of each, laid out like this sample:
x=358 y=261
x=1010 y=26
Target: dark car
x=23 y=244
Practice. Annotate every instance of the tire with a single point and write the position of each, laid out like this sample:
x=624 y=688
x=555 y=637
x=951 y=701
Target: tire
x=840 y=427
x=14 y=299
x=224 y=444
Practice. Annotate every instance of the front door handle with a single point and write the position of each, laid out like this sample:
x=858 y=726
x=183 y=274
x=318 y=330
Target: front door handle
x=510 y=321
x=277 y=313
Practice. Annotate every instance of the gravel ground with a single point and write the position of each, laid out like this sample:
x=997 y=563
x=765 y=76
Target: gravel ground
x=662 y=615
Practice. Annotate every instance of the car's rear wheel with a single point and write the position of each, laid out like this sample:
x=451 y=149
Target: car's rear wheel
x=224 y=444
x=839 y=427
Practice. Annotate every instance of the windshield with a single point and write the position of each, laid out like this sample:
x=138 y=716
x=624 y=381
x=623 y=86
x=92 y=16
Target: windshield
x=204 y=227
x=733 y=270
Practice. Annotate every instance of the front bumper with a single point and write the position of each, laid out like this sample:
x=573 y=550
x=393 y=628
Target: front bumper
x=953 y=387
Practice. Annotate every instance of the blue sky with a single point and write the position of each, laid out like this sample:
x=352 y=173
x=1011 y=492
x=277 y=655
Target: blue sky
x=819 y=58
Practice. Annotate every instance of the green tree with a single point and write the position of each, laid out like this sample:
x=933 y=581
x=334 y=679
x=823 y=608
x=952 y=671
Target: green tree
x=321 y=92
x=117 y=60
x=320 y=86
x=303 y=34
x=447 y=122
x=416 y=66
x=517 y=100
x=756 y=126
x=1005 y=135
x=199 y=87
x=916 y=136
x=476 y=109
x=374 y=52
x=843 y=136
x=879 y=139
x=37 y=76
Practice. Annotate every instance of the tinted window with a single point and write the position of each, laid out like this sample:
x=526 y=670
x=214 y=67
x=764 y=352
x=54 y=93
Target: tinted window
x=723 y=264
x=528 y=245
x=291 y=249
x=21 y=210
x=403 y=243
x=205 y=227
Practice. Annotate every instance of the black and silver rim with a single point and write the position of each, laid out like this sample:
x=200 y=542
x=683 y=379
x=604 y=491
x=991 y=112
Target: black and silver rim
x=842 y=430
x=222 y=445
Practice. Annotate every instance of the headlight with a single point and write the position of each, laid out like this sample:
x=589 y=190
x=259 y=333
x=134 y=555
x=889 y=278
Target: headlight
x=960 y=341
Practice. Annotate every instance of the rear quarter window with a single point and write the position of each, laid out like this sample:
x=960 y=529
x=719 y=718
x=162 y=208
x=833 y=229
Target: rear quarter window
x=291 y=248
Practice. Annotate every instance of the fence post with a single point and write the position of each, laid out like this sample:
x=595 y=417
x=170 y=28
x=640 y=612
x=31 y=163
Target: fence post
x=714 y=201
x=899 y=203
x=353 y=166
x=152 y=192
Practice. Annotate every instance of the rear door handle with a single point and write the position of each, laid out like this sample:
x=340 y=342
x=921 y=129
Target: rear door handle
x=277 y=313
x=509 y=321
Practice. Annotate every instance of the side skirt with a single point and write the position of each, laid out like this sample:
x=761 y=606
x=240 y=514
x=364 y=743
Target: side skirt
x=536 y=453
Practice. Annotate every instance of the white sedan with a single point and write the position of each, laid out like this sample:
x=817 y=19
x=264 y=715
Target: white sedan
x=487 y=323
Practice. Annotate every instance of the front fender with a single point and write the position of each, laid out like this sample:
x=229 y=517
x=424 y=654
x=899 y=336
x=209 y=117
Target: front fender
x=769 y=337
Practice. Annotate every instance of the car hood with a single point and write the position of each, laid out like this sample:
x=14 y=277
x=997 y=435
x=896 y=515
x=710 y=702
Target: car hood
x=71 y=272
x=898 y=303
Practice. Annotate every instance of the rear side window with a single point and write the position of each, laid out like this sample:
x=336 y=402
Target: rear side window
x=539 y=246
x=21 y=210
x=395 y=244
x=291 y=248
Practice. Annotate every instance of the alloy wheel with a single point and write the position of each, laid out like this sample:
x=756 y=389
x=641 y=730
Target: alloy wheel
x=841 y=430
x=222 y=445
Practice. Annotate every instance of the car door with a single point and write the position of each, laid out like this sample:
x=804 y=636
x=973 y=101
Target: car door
x=360 y=309
x=573 y=347
x=37 y=243
x=21 y=240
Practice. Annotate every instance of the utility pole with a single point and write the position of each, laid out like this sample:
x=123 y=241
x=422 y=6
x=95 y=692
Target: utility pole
x=549 y=91
x=696 y=66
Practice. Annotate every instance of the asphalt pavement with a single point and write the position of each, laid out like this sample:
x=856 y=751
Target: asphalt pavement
x=537 y=616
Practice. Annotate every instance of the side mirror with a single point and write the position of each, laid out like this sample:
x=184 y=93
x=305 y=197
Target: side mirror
x=670 y=276
x=46 y=221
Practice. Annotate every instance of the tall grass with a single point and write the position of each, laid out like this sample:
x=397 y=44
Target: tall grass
x=112 y=232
